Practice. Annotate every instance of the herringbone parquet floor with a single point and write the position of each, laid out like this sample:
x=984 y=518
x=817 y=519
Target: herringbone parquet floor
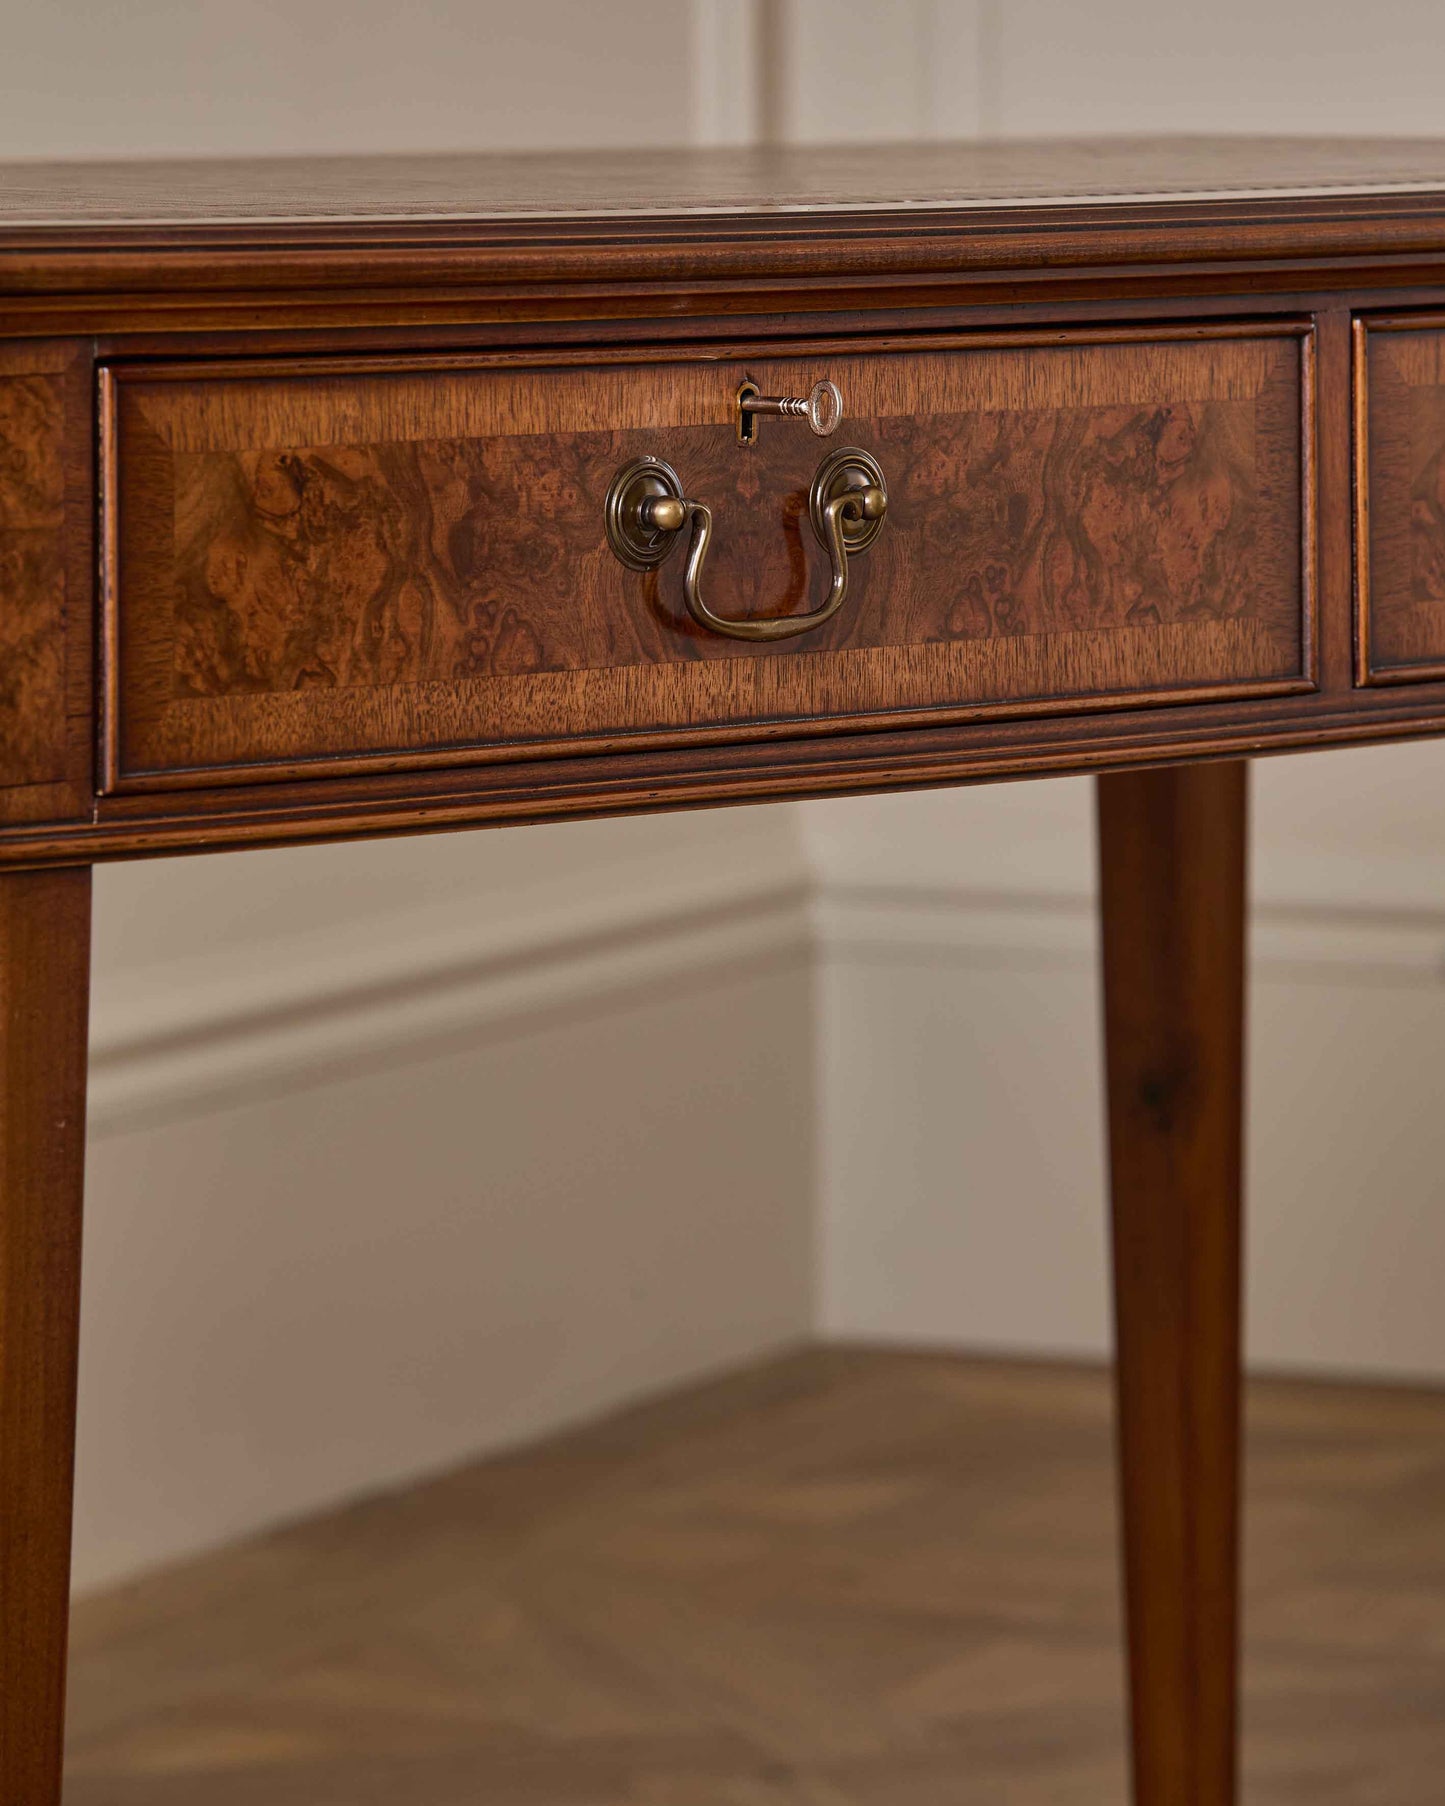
x=847 y=1579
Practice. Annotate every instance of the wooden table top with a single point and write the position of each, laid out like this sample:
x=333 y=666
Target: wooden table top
x=891 y=178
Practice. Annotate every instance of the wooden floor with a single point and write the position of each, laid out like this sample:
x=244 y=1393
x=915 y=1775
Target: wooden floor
x=847 y=1579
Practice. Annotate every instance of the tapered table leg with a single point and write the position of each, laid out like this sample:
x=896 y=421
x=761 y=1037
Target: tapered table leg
x=44 y=998
x=1172 y=855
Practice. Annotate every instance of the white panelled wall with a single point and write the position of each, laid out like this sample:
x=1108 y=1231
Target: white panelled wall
x=407 y=1151
x=960 y=1153
x=403 y=1152
x=956 y=985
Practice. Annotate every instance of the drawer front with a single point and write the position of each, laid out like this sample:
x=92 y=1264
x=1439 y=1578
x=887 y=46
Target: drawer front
x=1400 y=489
x=315 y=566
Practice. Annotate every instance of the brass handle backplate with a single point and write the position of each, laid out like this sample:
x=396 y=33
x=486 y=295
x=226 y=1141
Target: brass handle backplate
x=647 y=510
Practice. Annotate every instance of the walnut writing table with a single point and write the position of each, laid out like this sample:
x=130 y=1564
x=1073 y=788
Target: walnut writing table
x=366 y=496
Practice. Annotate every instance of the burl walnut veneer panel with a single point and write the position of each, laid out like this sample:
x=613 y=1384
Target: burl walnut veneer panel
x=317 y=563
x=1401 y=477
x=45 y=582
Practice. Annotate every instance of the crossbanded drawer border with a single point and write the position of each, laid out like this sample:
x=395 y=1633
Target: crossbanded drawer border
x=115 y=777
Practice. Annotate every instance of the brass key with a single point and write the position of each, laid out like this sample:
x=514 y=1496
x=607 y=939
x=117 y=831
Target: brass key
x=822 y=408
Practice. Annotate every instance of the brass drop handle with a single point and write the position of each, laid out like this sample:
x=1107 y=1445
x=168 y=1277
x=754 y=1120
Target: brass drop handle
x=856 y=507
x=647 y=511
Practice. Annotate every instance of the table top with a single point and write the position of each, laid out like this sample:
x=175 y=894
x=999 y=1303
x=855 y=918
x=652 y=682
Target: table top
x=581 y=185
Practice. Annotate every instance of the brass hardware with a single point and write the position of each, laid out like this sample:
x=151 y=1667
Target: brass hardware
x=638 y=496
x=823 y=409
x=646 y=511
x=850 y=472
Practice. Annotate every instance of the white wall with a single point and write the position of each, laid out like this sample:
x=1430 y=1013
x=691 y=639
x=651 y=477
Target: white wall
x=566 y=1173
x=961 y=1148
x=1233 y=66
x=957 y=987
x=349 y=1214
x=403 y=1152
x=208 y=77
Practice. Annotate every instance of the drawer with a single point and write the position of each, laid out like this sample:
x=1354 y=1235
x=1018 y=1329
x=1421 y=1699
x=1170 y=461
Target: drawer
x=1400 y=494
x=338 y=563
